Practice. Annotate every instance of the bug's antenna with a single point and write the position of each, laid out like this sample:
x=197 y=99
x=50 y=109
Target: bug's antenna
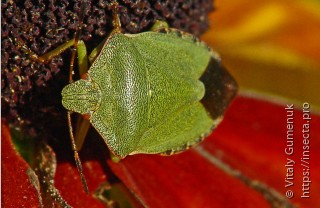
x=73 y=56
x=76 y=156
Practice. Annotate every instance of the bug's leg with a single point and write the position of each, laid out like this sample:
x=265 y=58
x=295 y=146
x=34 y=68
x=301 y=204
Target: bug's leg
x=96 y=51
x=57 y=51
x=158 y=25
x=116 y=18
x=82 y=128
x=82 y=58
x=45 y=58
x=114 y=158
x=77 y=41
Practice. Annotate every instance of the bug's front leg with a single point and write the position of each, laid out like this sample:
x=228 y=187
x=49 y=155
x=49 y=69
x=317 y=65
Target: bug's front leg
x=45 y=58
x=96 y=51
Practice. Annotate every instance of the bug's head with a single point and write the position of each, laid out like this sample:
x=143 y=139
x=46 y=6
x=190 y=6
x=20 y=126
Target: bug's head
x=82 y=96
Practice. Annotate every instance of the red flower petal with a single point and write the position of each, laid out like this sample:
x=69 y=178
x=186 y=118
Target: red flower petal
x=68 y=182
x=16 y=188
x=253 y=139
x=184 y=180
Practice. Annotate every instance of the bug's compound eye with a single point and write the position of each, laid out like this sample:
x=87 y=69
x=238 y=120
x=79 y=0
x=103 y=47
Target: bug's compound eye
x=81 y=96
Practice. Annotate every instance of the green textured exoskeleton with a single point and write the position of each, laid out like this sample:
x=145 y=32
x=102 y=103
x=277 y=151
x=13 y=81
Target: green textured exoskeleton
x=143 y=92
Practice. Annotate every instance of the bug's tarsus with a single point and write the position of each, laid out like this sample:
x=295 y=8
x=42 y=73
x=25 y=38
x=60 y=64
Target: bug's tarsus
x=45 y=58
x=25 y=49
x=76 y=156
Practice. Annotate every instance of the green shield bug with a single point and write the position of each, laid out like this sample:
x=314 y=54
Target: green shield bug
x=155 y=92
x=142 y=93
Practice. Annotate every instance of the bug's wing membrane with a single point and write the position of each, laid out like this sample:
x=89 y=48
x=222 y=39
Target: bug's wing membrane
x=175 y=61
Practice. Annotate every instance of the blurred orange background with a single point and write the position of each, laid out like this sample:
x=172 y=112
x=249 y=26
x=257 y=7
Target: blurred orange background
x=270 y=46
